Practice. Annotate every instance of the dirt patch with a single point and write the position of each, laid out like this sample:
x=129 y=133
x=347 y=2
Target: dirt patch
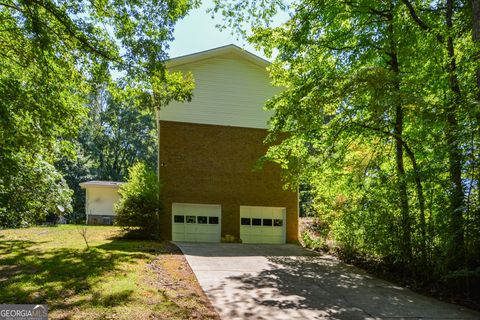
x=175 y=280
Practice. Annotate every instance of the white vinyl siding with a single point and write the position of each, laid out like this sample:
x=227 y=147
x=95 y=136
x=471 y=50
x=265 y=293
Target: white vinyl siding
x=229 y=91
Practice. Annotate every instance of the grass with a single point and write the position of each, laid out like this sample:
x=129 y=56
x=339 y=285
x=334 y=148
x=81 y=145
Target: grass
x=115 y=278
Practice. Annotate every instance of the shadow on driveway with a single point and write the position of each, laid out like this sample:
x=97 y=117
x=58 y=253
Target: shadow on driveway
x=289 y=282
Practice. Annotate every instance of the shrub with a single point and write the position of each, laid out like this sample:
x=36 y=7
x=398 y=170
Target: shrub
x=139 y=206
x=31 y=189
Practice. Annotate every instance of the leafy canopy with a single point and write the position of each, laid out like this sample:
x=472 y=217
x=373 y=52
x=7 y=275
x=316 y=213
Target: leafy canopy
x=53 y=55
x=381 y=107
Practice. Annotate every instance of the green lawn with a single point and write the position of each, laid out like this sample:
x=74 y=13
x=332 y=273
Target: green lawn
x=116 y=278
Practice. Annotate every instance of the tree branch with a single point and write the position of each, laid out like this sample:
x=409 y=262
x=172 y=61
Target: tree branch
x=415 y=16
x=70 y=27
x=419 y=21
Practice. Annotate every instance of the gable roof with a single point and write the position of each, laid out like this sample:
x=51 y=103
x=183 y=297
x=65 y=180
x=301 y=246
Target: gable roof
x=211 y=53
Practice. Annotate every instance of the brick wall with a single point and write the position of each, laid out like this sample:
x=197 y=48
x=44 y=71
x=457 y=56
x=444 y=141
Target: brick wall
x=211 y=164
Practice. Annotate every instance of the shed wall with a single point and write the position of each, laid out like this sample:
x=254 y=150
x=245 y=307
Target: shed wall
x=100 y=201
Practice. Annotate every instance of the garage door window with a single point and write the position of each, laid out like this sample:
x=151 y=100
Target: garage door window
x=245 y=221
x=256 y=222
x=191 y=219
x=179 y=219
x=267 y=222
x=202 y=220
x=213 y=220
x=277 y=222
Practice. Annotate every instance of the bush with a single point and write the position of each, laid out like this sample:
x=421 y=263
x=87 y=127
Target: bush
x=139 y=206
x=31 y=189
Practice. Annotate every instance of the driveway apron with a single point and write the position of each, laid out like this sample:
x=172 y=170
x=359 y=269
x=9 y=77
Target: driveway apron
x=245 y=281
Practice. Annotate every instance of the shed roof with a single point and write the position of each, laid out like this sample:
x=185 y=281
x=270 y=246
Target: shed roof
x=101 y=184
x=207 y=54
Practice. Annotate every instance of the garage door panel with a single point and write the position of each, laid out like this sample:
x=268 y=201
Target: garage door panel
x=252 y=238
x=277 y=231
x=262 y=224
x=268 y=232
x=211 y=229
x=201 y=222
x=179 y=229
x=190 y=237
x=178 y=236
x=190 y=228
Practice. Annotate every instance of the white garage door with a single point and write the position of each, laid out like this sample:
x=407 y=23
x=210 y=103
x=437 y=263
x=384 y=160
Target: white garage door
x=262 y=224
x=196 y=222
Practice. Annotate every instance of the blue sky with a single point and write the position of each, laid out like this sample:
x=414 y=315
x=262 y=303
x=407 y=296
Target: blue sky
x=197 y=32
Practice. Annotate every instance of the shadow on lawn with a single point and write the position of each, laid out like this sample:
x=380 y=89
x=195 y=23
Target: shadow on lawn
x=32 y=275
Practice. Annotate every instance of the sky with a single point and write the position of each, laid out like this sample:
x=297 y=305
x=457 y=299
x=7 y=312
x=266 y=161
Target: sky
x=197 y=32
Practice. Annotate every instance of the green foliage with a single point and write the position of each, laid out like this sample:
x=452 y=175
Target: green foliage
x=381 y=110
x=75 y=170
x=139 y=204
x=171 y=86
x=31 y=192
x=313 y=243
x=117 y=133
x=54 y=55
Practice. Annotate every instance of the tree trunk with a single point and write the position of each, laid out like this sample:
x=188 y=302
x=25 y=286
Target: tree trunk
x=406 y=245
x=421 y=205
x=476 y=40
x=402 y=187
x=456 y=252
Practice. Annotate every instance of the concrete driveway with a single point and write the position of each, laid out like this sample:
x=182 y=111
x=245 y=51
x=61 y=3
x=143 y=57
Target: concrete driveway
x=289 y=282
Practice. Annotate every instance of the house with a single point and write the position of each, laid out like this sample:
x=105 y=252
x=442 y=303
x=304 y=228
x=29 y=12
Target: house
x=99 y=202
x=209 y=148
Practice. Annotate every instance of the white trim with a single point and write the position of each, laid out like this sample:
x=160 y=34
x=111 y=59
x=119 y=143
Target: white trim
x=100 y=184
x=207 y=54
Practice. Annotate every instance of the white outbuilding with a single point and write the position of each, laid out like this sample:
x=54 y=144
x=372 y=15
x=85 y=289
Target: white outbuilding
x=100 y=199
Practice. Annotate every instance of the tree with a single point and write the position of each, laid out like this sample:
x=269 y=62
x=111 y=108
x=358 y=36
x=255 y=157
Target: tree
x=75 y=170
x=378 y=103
x=117 y=134
x=31 y=192
x=54 y=53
